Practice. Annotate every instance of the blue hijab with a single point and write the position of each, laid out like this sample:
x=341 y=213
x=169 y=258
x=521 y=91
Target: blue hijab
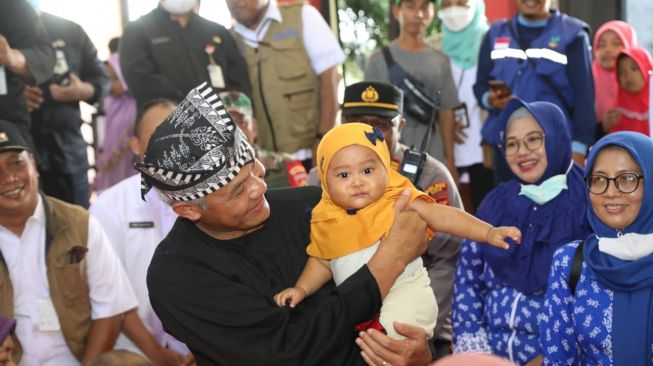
x=631 y=281
x=463 y=46
x=546 y=227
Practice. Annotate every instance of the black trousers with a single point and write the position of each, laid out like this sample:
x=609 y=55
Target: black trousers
x=69 y=187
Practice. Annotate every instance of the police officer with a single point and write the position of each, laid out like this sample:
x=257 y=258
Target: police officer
x=381 y=105
x=281 y=170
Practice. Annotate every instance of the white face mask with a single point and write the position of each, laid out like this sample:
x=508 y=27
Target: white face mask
x=178 y=6
x=456 y=18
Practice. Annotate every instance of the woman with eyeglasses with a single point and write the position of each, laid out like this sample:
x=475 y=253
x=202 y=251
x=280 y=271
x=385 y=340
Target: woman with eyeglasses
x=600 y=295
x=499 y=295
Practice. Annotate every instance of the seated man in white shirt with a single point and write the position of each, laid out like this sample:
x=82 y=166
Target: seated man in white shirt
x=135 y=228
x=59 y=276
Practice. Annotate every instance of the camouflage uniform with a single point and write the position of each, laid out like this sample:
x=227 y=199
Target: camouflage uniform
x=281 y=169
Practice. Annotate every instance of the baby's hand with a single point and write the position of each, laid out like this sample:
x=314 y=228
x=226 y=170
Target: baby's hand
x=497 y=235
x=291 y=296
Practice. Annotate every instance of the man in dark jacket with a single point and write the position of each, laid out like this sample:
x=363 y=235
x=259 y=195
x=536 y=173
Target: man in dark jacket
x=54 y=105
x=170 y=50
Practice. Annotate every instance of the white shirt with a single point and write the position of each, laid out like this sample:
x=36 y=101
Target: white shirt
x=470 y=152
x=321 y=45
x=110 y=291
x=135 y=228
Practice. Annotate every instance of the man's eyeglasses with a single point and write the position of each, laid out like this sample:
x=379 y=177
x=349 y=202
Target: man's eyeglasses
x=625 y=182
x=532 y=142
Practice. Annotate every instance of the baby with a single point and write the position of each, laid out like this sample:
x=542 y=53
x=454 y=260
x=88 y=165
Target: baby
x=359 y=189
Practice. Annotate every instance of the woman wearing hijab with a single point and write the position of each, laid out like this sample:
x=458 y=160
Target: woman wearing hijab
x=634 y=65
x=464 y=25
x=499 y=295
x=610 y=39
x=608 y=318
x=8 y=348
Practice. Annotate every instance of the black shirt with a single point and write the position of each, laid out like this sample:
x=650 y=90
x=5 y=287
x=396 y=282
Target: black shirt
x=56 y=125
x=20 y=25
x=217 y=296
x=160 y=59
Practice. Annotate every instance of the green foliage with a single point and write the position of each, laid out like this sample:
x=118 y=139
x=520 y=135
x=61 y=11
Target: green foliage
x=363 y=28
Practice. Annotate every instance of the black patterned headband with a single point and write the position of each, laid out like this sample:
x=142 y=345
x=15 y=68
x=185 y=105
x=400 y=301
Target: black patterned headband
x=196 y=151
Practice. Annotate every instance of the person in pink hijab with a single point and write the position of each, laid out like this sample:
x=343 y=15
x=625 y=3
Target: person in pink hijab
x=610 y=39
x=633 y=67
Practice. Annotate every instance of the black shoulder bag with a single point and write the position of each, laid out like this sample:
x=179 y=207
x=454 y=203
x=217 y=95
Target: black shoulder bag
x=418 y=103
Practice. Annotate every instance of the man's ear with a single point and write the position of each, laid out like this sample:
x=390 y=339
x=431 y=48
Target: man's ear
x=402 y=124
x=134 y=146
x=395 y=10
x=188 y=211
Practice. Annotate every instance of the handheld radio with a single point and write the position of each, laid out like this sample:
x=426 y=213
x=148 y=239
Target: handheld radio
x=413 y=162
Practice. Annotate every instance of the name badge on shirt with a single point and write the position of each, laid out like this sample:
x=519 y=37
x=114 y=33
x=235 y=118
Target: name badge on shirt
x=141 y=225
x=215 y=74
x=3 y=81
x=48 y=319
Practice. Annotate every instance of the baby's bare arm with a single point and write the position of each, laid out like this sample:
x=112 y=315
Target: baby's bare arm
x=459 y=223
x=315 y=274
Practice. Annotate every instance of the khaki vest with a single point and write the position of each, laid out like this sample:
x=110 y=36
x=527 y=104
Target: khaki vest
x=67 y=226
x=285 y=89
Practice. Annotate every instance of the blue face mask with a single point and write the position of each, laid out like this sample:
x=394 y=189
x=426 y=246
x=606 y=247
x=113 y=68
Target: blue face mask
x=546 y=191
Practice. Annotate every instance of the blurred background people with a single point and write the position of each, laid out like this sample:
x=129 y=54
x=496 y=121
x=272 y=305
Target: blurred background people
x=633 y=71
x=114 y=160
x=410 y=53
x=78 y=76
x=293 y=61
x=540 y=54
x=609 y=40
x=170 y=50
x=281 y=170
x=26 y=56
x=463 y=26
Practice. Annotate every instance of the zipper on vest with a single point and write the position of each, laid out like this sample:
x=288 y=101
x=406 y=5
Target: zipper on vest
x=265 y=105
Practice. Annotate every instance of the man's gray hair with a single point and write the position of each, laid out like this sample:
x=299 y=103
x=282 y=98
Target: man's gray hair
x=201 y=202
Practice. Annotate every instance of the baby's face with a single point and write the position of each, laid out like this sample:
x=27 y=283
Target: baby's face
x=630 y=76
x=355 y=177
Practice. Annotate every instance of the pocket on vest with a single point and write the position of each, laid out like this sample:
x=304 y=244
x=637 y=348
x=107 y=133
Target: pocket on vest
x=73 y=283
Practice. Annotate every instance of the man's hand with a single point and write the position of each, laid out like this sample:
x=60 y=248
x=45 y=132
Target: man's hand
x=380 y=350
x=406 y=240
x=498 y=99
x=75 y=91
x=33 y=97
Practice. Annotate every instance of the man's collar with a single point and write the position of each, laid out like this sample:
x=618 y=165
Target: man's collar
x=39 y=211
x=272 y=12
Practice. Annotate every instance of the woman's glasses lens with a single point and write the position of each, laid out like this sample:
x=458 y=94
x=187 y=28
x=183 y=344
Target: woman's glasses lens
x=625 y=183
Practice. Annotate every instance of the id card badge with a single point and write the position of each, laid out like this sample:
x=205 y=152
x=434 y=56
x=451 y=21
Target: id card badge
x=215 y=74
x=3 y=81
x=48 y=319
x=460 y=115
